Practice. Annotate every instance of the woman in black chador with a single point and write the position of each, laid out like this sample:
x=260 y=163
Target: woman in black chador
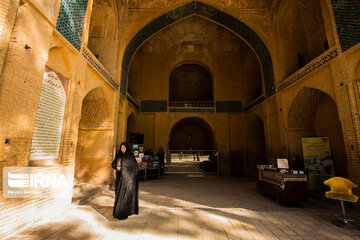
x=126 y=183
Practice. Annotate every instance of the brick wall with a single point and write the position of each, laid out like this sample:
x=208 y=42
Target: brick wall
x=8 y=11
x=20 y=88
x=27 y=49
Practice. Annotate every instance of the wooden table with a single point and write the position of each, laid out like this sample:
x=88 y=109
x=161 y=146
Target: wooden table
x=149 y=171
x=286 y=187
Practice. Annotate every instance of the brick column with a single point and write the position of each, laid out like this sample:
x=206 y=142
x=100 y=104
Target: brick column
x=348 y=114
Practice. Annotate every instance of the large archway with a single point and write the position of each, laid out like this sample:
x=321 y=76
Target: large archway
x=94 y=140
x=191 y=147
x=195 y=61
x=314 y=113
x=215 y=15
x=199 y=51
x=191 y=133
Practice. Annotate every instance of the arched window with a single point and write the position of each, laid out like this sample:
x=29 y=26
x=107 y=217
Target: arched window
x=192 y=83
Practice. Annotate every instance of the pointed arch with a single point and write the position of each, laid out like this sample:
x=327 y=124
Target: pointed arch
x=313 y=113
x=209 y=12
x=202 y=135
x=95 y=111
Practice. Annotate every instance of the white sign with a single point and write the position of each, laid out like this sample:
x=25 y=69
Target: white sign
x=37 y=182
x=282 y=163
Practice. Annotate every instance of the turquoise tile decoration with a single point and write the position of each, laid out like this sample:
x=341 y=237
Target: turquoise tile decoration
x=71 y=19
x=347 y=18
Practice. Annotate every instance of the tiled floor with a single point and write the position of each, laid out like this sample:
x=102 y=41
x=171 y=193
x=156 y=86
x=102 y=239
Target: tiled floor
x=208 y=208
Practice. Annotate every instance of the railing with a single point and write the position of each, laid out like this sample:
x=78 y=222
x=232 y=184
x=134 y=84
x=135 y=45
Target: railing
x=190 y=104
x=254 y=102
x=208 y=159
x=90 y=57
x=314 y=64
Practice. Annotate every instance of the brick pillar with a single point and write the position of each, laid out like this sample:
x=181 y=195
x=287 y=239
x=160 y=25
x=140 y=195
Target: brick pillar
x=73 y=114
x=348 y=114
x=8 y=10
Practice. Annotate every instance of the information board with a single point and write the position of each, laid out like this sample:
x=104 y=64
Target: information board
x=49 y=119
x=317 y=155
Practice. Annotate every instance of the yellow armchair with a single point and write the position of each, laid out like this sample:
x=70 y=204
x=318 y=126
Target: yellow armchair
x=340 y=189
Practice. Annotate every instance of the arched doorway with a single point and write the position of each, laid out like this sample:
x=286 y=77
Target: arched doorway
x=191 y=133
x=313 y=113
x=191 y=147
x=94 y=140
x=256 y=145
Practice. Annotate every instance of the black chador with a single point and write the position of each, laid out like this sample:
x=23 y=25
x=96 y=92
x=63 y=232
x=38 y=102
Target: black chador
x=126 y=183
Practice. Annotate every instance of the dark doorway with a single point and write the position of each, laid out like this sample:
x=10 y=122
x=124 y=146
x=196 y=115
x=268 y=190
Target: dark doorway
x=191 y=134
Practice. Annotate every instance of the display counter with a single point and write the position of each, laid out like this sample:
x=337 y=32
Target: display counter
x=286 y=187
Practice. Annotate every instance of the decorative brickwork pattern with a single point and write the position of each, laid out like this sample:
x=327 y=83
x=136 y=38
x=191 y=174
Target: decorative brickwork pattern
x=99 y=68
x=71 y=19
x=347 y=18
x=302 y=110
x=313 y=65
x=95 y=110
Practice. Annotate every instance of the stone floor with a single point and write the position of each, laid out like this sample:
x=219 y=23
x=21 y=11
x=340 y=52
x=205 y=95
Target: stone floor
x=177 y=207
